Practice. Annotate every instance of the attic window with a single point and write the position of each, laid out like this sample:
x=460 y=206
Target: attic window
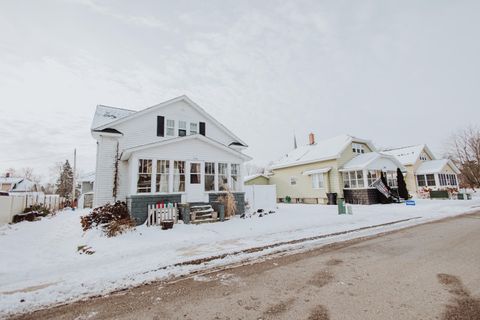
x=358 y=148
x=182 y=128
x=423 y=157
x=170 y=127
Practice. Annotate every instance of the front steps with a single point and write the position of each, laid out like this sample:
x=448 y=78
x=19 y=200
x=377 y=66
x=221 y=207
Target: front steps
x=202 y=213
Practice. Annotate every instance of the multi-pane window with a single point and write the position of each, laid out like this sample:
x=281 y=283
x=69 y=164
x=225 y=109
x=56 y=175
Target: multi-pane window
x=358 y=148
x=443 y=179
x=235 y=174
x=178 y=176
x=317 y=181
x=163 y=168
x=193 y=128
x=195 y=173
x=144 y=183
x=430 y=180
x=353 y=179
x=423 y=157
x=392 y=179
x=170 y=127
x=182 y=128
x=222 y=176
x=421 y=181
x=371 y=177
x=452 y=179
x=209 y=176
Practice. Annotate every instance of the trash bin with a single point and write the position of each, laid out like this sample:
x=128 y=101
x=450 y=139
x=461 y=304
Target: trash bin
x=341 y=206
x=332 y=198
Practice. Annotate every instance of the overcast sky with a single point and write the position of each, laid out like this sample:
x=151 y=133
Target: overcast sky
x=396 y=72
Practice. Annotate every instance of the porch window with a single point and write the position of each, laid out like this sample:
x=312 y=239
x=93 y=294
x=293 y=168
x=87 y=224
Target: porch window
x=163 y=168
x=182 y=128
x=170 y=127
x=195 y=173
x=193 y=128
x=209 y=176
x=452 y=179
x=317 y=181
x=144 y=183
x=353 y=179
x=442 y=178
x=392 y=179
x=235 y=174
x=222 y=176
x=431 y=180
x=179 y=176
x=421 y=182
x=371 y=177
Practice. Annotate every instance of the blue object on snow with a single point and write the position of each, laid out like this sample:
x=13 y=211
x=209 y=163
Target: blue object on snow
x=410 y=202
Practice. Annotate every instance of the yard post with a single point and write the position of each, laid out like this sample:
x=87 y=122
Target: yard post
x=186 y=213
x=221 y=211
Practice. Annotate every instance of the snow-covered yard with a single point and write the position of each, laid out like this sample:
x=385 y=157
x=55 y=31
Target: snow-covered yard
x=40 y=263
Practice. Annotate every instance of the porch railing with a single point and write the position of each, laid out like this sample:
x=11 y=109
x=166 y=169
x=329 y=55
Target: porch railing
x=158 y=213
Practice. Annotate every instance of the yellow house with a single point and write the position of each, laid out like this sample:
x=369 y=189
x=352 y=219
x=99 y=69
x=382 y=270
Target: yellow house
x=256 y=179
x=424 y=171
x=343 y=165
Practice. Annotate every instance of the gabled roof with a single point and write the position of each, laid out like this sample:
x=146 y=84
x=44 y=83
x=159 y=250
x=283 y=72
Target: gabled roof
x=128 y=152
x=373 y=161
x=10 y=180
x=253 y=176
x=105 y=115
x=122 y=115
x=409 y=155
x=88 y=177
x=323 y=150
x=436 y=166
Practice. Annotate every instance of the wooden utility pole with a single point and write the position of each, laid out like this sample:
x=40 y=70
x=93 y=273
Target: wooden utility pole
x=74 y=173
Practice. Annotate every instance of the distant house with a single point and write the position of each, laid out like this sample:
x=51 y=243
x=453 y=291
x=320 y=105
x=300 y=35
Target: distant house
x=172 y=152
x=424 y=171
x=17 y=185
x=86 y=182
x=343 y=165
x=256 y=179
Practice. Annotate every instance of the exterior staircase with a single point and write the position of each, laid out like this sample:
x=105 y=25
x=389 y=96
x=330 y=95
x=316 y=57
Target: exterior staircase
x=202 y=213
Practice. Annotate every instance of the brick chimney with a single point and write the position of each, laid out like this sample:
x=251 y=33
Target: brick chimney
x=311 y=139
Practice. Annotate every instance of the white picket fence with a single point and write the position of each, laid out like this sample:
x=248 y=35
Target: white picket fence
x=16 y=203
x=159 y=212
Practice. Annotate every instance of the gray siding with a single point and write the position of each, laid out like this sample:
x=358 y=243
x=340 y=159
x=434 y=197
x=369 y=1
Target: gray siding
x=138 y=204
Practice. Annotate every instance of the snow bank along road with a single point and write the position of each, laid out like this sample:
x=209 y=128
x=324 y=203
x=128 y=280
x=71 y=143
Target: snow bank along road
x=430 y=271
x=40 y=265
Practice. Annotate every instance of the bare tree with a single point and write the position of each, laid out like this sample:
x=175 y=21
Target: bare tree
x=251 y=169
x=464 y=150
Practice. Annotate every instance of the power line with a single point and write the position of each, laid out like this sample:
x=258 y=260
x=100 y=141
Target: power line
x=36 y=158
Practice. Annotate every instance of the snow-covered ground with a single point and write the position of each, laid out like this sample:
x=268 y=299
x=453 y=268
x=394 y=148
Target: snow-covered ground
x=40 y=264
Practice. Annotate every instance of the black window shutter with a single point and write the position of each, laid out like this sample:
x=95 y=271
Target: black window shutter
x=202 y=128
x=160 y=126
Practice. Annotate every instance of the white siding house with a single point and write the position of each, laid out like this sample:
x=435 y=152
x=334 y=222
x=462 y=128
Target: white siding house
x=171 y=152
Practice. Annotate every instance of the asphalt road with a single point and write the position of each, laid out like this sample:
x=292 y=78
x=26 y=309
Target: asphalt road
x=431 y=271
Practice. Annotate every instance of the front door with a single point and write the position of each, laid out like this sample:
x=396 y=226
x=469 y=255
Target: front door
x=195 y=191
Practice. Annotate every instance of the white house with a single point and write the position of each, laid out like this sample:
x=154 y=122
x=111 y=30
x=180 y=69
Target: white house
x=171 y=152
x=17 y=185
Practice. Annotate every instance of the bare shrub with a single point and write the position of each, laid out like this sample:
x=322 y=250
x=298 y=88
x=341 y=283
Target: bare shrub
x=114 y=219
x=228 y=201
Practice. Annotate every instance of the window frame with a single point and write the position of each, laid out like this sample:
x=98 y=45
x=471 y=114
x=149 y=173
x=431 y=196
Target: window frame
x=318 y=181
x=159 y=174
x=235 y=176
x=222 y=175
x=170 y=125
x=180 y=174
x=209 y=173
x=145 y=169
x=196 y=128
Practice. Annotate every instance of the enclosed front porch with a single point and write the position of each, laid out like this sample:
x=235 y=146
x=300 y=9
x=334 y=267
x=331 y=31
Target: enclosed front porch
x=360 y=174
